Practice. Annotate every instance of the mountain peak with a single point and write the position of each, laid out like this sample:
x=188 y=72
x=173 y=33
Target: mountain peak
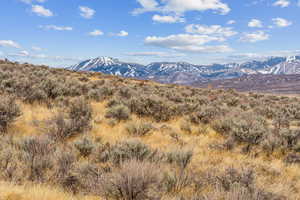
x=291 y=59
x=105 y=60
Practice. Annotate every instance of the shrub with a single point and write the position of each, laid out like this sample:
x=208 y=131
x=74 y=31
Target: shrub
x=80 y=113
x=37 y=156
x=248 y=128
x=138 y=129
x=281 y=121
x=119 y=113
x=9 y=164
x=134 y=181
x=63 y=164
x=85 y=146
x=94 y=94
x=235 y=184
x=290 y=138
x=153 y=106
x=35 y=95
x=9 y=112
x=180 y=157
x=89 y=177
x=206 y=114
x=232 y=176
x=175 y=182
x=59 y=127
x=292 y=158
x=131 y=150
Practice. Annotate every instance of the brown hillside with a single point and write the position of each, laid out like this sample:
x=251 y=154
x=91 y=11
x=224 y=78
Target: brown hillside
x=69 y=135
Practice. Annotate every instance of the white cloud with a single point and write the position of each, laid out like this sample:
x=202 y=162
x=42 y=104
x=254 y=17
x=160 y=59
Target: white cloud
x=255 y=23
x=280 y=22
x=9 y=43
x=56 y=28
x=96 y=33
x=122 y=34
x=210 y=30
x=282 y=3
x=167 y=19
x=181 y=6
x=231 y=22
x=148 y=4
x=41 y=11
x=24 y=53
x=188 y=42
x=35 y=48
x=86 y=12
x=255 y=36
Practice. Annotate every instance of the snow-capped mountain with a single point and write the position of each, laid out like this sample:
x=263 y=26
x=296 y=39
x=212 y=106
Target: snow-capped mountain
x=111 y=66
x=291 y=65
x=187 y=73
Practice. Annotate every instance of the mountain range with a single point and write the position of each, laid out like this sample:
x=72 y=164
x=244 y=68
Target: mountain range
x=187 y=73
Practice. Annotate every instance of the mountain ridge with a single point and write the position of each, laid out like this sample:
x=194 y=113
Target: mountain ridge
x=187 y=73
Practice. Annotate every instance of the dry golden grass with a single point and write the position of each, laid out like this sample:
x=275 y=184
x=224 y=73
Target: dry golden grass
x=9 y=191
x=273 y=172
x=31 y=115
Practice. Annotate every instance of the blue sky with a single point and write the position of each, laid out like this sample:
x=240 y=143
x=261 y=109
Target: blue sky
x=63 y=32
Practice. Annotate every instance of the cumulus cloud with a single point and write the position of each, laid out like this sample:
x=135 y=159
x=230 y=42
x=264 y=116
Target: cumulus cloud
x=230 y=22
x=122 y=34
x=56 y=28
x=254 y=36
x=167 y=19
x=210 y=30
x=188 y=42
x=282 y=3
x=41 y=11
x=280 y=22
x=255 y=23
x=96 y=33
x=181 y=6
x=86 y=12
x=9 y=43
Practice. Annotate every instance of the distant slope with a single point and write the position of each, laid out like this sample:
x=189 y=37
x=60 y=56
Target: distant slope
x=280 y=84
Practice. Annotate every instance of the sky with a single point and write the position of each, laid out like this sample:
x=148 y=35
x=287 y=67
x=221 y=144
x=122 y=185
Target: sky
x=60 y=33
